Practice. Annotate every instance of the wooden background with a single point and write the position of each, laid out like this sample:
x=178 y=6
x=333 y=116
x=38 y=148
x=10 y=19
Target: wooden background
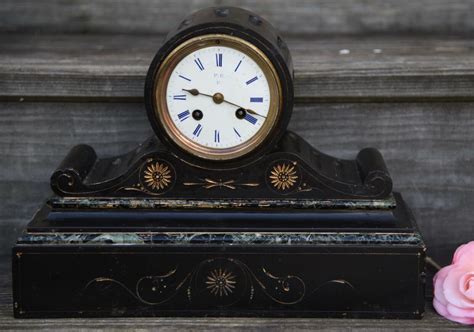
x=396 y=75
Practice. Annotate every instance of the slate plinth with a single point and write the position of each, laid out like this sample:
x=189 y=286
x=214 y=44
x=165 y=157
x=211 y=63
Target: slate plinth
x=71 y=263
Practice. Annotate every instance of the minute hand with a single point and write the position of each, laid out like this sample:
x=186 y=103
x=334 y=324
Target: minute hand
x=246 y=109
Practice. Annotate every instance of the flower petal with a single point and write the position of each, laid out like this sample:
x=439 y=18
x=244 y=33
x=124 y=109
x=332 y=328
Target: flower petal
x=440 y=308
x=451 y=289
x=465 y=254
x=466 y=285
x=462 y=320
x=438 y=281
x=459 y=312
x=458 y=253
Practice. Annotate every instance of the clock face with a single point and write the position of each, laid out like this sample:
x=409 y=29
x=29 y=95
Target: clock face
x=218 y=97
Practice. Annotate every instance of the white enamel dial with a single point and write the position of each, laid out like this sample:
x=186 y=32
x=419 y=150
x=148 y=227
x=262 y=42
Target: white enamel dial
x=218 y=97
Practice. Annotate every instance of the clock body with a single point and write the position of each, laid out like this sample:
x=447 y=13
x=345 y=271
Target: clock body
x=219 y=92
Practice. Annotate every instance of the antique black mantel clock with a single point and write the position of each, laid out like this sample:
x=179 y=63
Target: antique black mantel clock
x=224 y=211
x=221 y=93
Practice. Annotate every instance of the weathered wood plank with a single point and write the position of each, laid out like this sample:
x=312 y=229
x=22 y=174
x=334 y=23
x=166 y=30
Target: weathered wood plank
x=307 y=16
x=427 y=146
x=113 y=67
x=430 y=322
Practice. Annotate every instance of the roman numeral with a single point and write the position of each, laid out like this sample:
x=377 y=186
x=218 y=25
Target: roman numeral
x=238 y=65
x=256 y=99
x=183 y=115
x=219 y=59
x=250 y=119
x=179 y=97
x=199 y=64
x=197 y=130
x=236 y=132
x=184 y=78
x=251 y=80
x=217 y=137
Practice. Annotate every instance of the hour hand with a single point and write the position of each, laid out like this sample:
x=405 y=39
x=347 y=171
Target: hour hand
x=194 y=92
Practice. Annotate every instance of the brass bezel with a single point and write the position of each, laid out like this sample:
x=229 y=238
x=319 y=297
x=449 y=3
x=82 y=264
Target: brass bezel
x=161 y=108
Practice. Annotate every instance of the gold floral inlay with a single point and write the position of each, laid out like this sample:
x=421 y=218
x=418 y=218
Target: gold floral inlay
x=229 y=184
x=283 y=176
x=221 y=282
x=157 y=176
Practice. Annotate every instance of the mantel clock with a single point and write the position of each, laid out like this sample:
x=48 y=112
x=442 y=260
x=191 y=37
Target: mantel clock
x=223 y=212
x=220 y=89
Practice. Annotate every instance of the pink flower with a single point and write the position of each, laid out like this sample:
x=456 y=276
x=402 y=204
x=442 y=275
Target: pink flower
x=454 y=287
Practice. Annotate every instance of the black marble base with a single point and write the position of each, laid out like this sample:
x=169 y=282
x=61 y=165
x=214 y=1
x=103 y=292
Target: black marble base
x=334 y=263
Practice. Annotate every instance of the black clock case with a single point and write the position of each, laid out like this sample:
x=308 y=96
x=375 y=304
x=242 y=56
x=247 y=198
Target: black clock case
x=240 y=23
x=343 y=245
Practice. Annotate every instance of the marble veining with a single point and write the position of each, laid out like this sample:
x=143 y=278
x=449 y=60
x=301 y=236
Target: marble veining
x=149 y=203
x=226 y=239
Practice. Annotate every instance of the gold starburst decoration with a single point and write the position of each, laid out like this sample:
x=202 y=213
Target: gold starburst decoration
x=220 y=282
x=283 y=176
x=157 y=176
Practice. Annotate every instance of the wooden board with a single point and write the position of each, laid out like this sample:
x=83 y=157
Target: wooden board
x=427 y=147
x=431 y=321
x=307 y=16
x=113 y=67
